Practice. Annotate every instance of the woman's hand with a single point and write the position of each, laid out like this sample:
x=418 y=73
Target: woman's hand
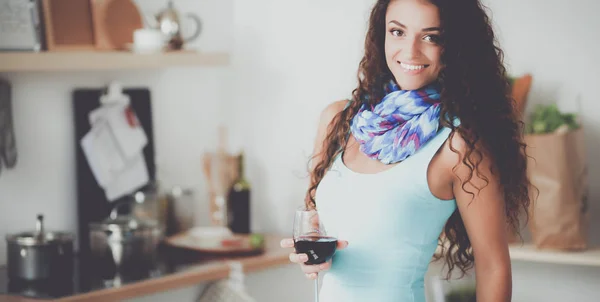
x=309 y=270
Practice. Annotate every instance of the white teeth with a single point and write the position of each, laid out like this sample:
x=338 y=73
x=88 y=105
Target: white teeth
x=411 y=67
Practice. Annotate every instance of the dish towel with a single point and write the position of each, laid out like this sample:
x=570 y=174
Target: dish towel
x=230 y=290
x=8 y=146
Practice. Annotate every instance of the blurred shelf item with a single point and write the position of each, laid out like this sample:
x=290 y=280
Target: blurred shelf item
x=106 y=60
x=528 y=252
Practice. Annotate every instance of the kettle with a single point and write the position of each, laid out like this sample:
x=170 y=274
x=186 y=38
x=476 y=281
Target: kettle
x=169 y=23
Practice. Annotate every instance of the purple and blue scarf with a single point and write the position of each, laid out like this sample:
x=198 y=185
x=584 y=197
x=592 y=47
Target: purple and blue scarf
x=399 y=125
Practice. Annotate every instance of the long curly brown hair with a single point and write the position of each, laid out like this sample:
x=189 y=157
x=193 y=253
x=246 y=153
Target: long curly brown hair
x=475 y=88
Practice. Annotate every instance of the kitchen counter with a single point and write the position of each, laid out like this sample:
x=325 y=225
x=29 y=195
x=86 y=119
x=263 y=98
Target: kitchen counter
x=175 y=268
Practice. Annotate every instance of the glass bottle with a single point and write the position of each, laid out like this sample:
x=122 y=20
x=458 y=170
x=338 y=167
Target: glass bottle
x=238 y=201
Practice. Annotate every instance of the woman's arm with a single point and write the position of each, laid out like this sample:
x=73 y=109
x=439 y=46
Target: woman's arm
x=484 y=217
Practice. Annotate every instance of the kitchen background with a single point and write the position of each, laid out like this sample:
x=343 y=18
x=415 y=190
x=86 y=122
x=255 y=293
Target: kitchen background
x=288 y=60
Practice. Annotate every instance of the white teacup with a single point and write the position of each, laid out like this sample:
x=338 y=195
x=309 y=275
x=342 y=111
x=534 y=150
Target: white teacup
x=147 y=40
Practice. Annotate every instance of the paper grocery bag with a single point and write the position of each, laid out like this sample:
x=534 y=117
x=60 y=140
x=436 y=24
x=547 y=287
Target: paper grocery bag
x=559 y=217
x=220 y=170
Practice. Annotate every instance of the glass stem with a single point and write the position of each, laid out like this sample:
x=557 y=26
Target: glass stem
x=317 y=288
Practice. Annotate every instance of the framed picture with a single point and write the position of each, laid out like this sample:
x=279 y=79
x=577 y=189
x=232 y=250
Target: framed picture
x=68 y=24
x=20 y=26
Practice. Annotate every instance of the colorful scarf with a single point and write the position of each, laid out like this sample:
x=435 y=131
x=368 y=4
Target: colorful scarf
x=399 y=125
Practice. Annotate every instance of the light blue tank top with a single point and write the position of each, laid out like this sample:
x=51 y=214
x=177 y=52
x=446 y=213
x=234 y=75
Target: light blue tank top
x=391 y=221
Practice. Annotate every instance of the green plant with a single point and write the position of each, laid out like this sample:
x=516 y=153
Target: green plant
x=257 y=240
x=548 y=118
x=511 y=80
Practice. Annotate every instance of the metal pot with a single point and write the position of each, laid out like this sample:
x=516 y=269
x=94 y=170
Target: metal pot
x=39 y=254
x=126 y=241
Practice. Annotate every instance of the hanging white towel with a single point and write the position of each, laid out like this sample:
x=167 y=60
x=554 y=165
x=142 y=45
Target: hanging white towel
x=229 y=290
x=114 y=145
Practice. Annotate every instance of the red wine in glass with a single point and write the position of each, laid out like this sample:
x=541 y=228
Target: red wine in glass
x=318 y=248
x=311 y=238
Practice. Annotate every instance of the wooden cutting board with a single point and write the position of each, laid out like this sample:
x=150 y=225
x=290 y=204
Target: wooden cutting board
x=115 y=21
x=234 y=244
x=68 y=25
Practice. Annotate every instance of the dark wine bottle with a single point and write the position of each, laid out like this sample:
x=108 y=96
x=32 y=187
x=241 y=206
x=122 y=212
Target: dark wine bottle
x=238 y=202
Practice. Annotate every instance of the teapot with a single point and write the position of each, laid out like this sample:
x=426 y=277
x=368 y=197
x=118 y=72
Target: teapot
x=169 y=23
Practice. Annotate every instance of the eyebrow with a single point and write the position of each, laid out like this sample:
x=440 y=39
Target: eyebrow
x=424 y=29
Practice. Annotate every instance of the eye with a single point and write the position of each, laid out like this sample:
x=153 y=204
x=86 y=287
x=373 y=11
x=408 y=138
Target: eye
x=432 y=38
x=396 y=32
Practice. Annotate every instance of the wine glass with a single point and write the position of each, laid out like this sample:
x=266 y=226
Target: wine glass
x=311 y=238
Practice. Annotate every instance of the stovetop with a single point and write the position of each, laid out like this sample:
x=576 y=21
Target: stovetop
x=89 y=275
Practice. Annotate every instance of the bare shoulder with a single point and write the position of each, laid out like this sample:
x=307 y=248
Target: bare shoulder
x=327 y=115
x=456 y=151
x=450 y=156
x=331 y=110
x=457 y=145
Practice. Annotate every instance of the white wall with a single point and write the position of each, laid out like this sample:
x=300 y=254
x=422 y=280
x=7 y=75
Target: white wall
x=291 y=58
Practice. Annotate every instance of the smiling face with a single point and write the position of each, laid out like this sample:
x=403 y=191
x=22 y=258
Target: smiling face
x=412 y=42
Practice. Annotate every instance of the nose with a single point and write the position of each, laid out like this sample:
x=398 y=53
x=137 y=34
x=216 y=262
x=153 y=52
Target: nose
x=412 y=49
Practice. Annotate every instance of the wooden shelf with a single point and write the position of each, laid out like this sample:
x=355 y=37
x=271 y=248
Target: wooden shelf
x=528 y=252
x=99 y=60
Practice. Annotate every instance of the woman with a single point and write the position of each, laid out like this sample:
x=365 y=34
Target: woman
x=430 y=144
